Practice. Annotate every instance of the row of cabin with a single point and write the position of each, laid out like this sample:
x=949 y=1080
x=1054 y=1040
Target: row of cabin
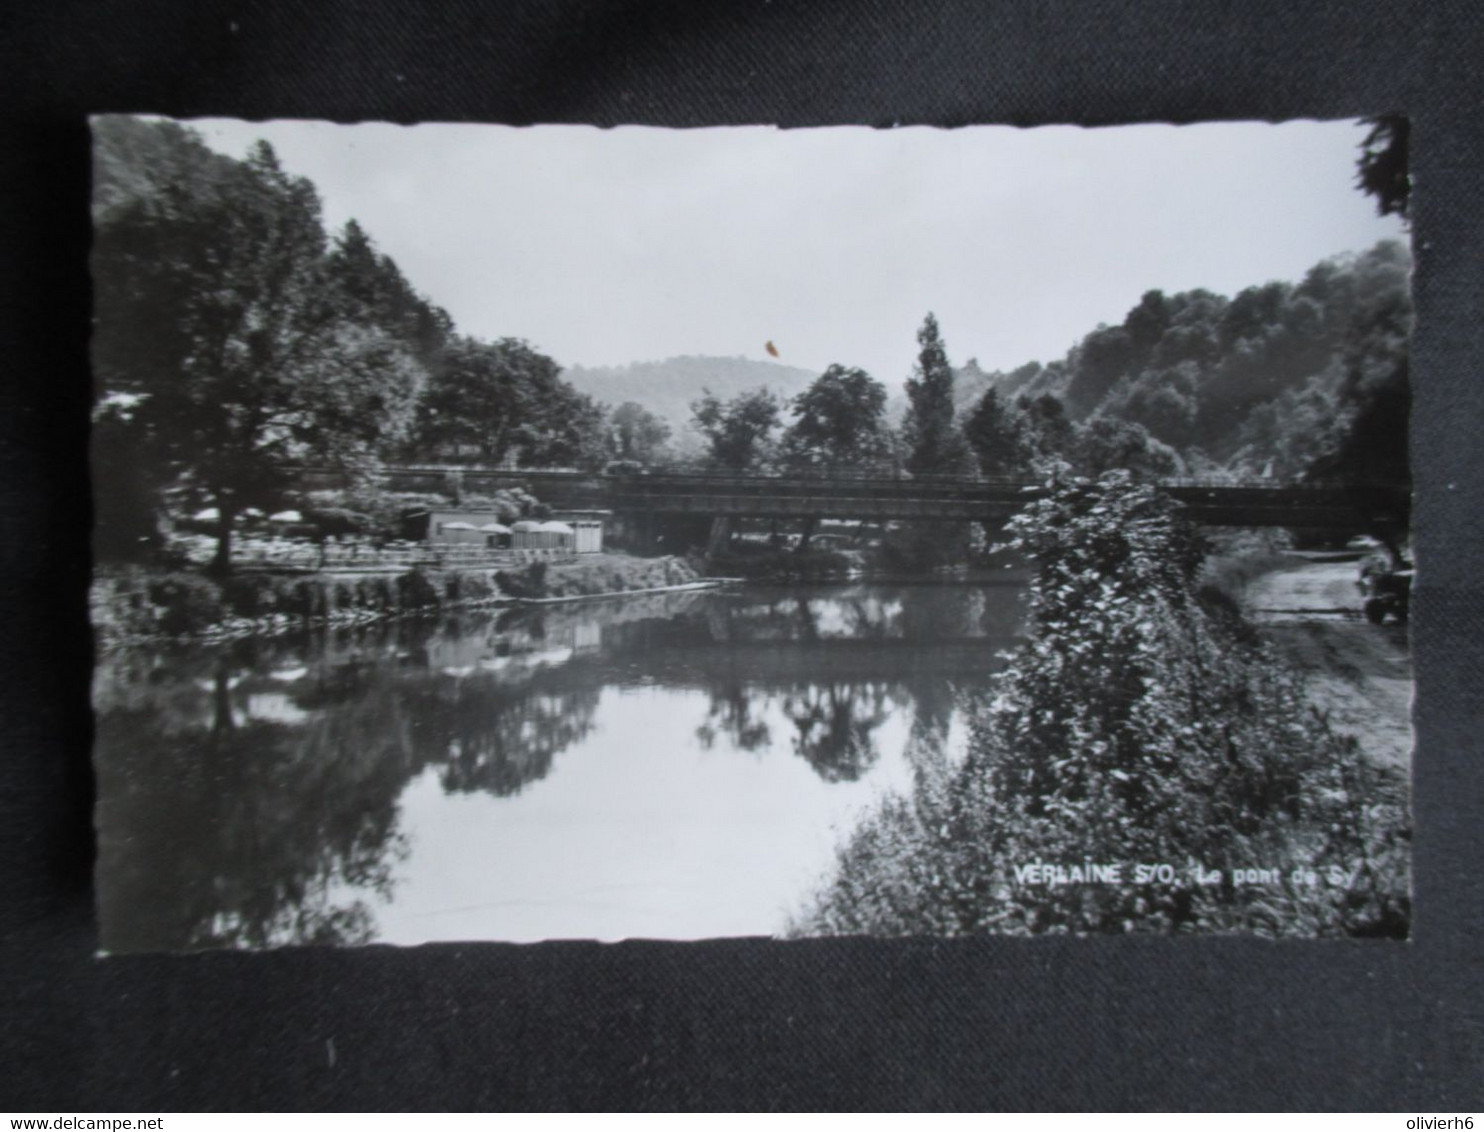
x=580 y=533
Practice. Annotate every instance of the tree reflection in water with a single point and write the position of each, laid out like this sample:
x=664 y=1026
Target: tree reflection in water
x=497 y=744
x=219 y=829
x=731 y=715
x=243 y=833
x=835 y=724
x=250 y=792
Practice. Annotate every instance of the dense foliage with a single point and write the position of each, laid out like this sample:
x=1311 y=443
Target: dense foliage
x=1137 y=724
x=1278 y=380
x=739 y=432
x=232 y=335
x=638 y=434
x=1033 y=436
x=505 y=401
x=839 y=422
x=997 y=435
x=235 y=335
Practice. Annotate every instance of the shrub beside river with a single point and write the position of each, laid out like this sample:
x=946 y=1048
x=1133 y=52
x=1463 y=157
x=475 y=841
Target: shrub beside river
x=595 y=575
x=136 y=603
x=1141 y=723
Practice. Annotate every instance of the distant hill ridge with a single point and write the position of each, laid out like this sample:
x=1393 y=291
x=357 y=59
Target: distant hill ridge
x=668 y=387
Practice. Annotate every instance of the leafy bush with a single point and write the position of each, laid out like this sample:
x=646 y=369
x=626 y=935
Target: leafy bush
x=244 y=595
x=528 y=582
x=599 y=574
x=416 y=591
x=678 y=572
x=1132 y=726
x=372 y=511
x=130 y=602
x=263 y=595
x=1238 y=558
x=374 y=594
x=510 y=503
x=339 y=521
x=185 y=603
x=918 y=548
x=306 y=598
x=472 y=586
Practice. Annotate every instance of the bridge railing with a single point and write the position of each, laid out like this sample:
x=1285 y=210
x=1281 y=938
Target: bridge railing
x=864 y=476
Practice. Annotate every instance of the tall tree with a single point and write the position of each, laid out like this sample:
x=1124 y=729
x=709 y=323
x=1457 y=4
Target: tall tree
x=995 y=433
x=1047 y=432
x=738 y=431
x=934 y=444
x=1100 y=360
x=1382 y=170
x=216 y=309
x=637 y=433
x=838 y=421
x=505 y=400
x=126 y=510
x=375 y=292
x=1370 y=446
x=1106 y=444
x=569 y=429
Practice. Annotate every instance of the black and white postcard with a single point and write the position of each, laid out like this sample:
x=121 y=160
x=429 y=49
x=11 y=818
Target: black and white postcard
x=515 y=534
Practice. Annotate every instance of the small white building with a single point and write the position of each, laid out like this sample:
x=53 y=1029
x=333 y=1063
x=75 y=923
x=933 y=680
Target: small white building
x=579 y=532
x=587 y=529
x=582 y=535
x=532 y=534
x=459 y=528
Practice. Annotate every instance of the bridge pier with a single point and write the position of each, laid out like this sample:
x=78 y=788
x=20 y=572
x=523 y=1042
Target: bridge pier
x=721 y=535
x=811 y=524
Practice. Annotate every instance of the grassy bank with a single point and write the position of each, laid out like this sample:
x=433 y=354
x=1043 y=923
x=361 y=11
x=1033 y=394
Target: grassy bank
x=596 y=574
x=136 y=603
x=1238 y=558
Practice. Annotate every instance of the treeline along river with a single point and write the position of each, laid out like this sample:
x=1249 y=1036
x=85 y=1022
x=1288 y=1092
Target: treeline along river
x=672 y=766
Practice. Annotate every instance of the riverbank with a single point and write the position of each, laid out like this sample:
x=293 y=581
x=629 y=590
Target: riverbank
x=597 y=575
x=135 y=604
x=1359 y=674
x=824 y=565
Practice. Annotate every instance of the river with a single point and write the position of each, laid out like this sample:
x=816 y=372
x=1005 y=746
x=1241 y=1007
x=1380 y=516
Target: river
x=671 y=766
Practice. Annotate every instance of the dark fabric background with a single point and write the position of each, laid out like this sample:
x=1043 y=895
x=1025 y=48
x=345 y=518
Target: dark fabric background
x=1142 y=1023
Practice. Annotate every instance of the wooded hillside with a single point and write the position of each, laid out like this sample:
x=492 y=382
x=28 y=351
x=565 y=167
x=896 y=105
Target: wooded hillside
x=1272 y=380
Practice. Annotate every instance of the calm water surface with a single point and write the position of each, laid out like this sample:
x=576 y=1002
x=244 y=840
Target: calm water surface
x=665 y=766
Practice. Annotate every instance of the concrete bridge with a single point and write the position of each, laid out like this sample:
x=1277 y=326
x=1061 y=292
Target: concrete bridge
x=1338 y=508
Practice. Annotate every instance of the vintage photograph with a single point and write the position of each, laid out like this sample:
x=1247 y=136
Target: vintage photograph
x=516 y=534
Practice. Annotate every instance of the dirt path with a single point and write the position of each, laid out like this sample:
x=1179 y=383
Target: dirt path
x=1358 y=672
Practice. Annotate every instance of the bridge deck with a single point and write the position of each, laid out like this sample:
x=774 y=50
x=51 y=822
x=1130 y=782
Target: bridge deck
x=1333 y=507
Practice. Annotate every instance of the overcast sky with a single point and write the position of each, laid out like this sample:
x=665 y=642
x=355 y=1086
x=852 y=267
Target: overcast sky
x=603 y=247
